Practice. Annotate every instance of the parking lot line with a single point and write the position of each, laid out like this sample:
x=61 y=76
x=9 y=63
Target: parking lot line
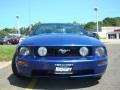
x=32 y=84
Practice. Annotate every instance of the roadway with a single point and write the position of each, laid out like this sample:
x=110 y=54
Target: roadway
x=110 y=80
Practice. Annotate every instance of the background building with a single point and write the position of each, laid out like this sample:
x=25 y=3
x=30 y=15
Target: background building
x=111 y=32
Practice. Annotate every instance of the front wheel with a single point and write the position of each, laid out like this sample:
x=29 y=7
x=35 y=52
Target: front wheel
x=14 y=68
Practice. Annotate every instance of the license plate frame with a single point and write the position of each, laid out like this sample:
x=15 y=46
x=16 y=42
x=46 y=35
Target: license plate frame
x=63 y=70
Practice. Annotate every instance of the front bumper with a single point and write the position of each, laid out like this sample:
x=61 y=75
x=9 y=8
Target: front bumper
x=45 y=67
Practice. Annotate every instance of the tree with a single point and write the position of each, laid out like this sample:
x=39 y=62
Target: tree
x=90 y=26
x=34 y=25
x=3 y=33
x=75 y=22
x=111 y=21
x=117 y=20
x=10 y=30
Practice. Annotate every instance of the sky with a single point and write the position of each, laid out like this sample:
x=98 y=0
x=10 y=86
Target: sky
x=55 y=11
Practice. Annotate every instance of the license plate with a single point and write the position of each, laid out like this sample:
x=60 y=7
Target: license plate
x=63 y=70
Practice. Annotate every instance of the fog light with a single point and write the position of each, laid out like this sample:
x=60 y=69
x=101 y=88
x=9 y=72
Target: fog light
x=22 y=62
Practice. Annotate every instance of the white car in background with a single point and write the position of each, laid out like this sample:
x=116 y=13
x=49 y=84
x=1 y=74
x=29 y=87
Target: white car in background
x=22 y=38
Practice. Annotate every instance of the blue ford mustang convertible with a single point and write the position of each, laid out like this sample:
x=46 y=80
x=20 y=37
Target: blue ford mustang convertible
x=60 y=50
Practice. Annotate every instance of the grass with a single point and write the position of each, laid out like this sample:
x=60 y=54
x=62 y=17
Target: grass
x=6 y=52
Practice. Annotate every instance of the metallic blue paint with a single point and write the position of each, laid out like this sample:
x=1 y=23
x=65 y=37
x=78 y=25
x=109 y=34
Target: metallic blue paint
x=35 y=63
x=48 y=63
x=61 y=40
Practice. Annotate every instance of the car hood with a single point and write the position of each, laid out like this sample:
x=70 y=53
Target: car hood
x=60 y=40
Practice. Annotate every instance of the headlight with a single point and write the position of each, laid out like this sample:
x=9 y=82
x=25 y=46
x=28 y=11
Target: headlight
x=42 y=51
x=83 y=51
x=100 y=51
x=24 y=51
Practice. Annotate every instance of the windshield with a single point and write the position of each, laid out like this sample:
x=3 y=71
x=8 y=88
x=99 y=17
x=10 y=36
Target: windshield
x=57 y=28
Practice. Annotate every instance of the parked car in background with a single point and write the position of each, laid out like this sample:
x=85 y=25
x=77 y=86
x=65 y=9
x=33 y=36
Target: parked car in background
x=14 y=40
x=60 y=50
x=93 y=34
x=5 y=40
x=22 y=38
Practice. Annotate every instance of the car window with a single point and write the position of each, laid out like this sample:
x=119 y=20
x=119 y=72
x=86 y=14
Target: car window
x=58 y=28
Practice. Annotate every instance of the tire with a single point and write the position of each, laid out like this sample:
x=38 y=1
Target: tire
x=97 y=78
x=4 y=43
x=7 y=43
x=14 y=68
x=1 y=43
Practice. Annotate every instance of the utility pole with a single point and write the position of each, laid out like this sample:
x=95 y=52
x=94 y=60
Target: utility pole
x=18 y=29
x=97 y=27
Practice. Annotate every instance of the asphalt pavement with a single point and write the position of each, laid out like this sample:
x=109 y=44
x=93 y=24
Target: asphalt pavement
x=110 y=80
